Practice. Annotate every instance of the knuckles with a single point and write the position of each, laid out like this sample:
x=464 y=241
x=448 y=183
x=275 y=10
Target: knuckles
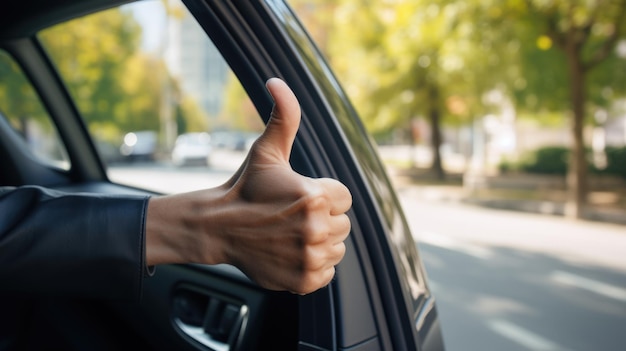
x=311 y=282
x=314 y=259
x=317 y=267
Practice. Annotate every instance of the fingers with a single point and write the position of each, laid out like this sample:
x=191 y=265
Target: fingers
x=275 y=144
x=306 y=286
x=341 y=227
x=338 y=194
x=290 y=229
x=320 y=272
x=282 y=127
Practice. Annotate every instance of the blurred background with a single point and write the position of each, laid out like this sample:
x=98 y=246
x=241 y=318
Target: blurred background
x=503 y=126
x=511 y=99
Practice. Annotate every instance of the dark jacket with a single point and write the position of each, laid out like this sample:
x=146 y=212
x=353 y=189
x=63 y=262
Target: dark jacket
x=71 y=244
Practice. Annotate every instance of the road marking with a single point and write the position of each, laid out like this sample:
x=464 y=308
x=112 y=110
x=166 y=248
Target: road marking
x=522 y=336
x=595 y=286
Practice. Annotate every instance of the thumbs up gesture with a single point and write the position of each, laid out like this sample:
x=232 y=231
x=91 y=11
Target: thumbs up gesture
x=285 y=231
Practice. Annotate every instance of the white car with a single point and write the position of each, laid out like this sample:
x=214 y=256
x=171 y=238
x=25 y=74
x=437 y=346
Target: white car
x=192 y=148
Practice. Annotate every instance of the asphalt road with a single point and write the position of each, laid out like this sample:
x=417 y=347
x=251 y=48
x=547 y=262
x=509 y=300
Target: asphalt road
x=165 y=177
x=504 y=281
x=513 y=281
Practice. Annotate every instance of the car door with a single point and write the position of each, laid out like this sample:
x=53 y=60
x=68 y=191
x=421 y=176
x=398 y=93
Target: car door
x=379 y=299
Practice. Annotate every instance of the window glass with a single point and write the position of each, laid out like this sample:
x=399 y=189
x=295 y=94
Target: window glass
x=166 y=112
x=20 y=105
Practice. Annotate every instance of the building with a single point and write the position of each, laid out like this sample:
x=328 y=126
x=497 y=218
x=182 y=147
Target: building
x=194 y=61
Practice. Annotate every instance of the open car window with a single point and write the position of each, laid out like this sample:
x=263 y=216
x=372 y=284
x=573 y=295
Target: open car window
x=156 y=96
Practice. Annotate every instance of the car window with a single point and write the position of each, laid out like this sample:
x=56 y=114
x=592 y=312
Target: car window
x=146 y=79
x=21 y=107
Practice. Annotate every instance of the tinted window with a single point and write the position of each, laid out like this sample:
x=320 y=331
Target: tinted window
x=20 y=105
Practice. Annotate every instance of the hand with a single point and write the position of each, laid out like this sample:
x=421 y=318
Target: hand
x=283 y=230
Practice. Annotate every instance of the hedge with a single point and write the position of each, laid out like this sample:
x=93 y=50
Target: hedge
x=554 y=160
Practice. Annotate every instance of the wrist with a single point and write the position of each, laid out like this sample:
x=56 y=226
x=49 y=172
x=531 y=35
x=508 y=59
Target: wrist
x=180 y=228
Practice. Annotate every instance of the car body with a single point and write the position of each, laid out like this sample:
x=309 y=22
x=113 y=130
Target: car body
x=109 y=152
x=233 y=140
x=379 y=299
x=192 y=149
x=139 y=146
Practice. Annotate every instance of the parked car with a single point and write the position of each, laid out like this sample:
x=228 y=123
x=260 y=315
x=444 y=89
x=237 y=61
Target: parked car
x=233 y=140
x=192 y=149
x=109 y=153
x=139 y=146
x=380 y=298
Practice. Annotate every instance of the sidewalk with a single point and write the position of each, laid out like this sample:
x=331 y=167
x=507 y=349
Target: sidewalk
x=547 y=200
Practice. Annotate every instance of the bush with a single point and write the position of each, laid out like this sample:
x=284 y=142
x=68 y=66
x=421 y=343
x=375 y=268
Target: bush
x=616 y=161
x=506 y=166
x=546 y=160
x=555 y=160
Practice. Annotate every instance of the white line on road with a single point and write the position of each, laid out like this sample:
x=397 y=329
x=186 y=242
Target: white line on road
x=522 y=336
x=595 y=286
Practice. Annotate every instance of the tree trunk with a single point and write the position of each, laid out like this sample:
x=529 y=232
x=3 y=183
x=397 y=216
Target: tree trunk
x=577 y=170
x=434 y=115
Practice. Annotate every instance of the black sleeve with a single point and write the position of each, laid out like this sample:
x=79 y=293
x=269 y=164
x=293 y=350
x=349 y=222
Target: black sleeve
x=82 y=245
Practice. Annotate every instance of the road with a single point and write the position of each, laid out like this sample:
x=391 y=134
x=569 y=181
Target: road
x=504 y=281
x=165 y=177
x=513 y=281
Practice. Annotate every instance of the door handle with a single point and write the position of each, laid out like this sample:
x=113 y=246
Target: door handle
x=208 y=318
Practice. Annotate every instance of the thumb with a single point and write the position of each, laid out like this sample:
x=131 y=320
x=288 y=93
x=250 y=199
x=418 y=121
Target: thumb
x=282 y=127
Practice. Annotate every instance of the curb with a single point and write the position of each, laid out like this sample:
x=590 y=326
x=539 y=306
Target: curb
x=452 y=194
x=613 y=216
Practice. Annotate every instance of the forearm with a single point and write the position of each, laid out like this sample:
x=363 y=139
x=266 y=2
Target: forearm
x=285 y=231
x=184 y=228
x=56 y=243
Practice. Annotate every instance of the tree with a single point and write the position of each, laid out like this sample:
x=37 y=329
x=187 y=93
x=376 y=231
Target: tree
x=577 y=39
x=402 y=59
x=387 y=56
x=118 y=87
x=399 y=59
x=90 y=53
x=239 y=112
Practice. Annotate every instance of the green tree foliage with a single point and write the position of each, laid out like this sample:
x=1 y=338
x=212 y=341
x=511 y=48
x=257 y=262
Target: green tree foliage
x=19 y=101
x=571 y=66
x=564 y=39
x=239 y=112
x=399 y=59
x=190 y=117
x=118 y=88
x=89 y=53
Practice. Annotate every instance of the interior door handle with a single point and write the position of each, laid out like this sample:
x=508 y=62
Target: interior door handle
x=212 y=320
